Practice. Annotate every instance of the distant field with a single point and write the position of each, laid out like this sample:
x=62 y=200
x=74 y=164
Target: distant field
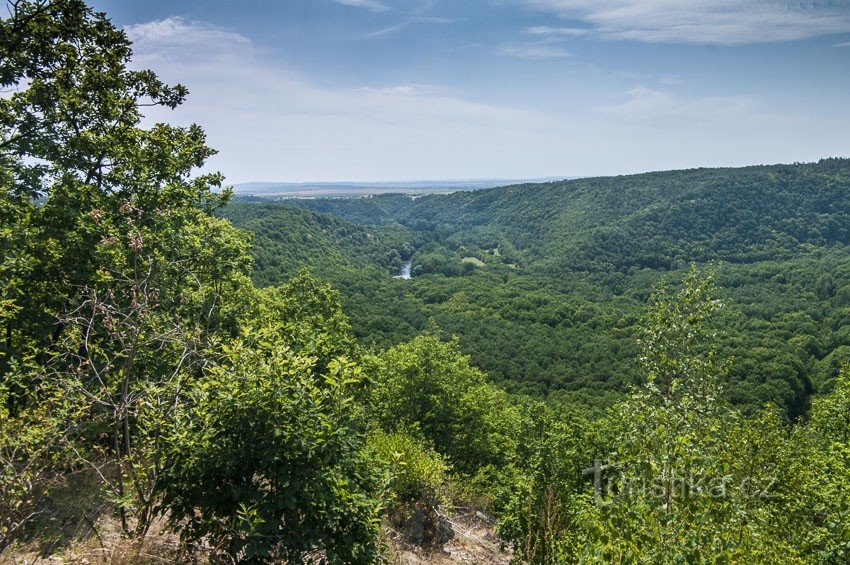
x=281 y=190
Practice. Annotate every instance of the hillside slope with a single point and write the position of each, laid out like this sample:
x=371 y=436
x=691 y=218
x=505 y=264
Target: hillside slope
x=287 y=238
x=657 y=220
x=544 y=284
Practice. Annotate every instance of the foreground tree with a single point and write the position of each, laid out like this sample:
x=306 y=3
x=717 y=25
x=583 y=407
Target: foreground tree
x=827 y=439
x=676 y=474
x=429 y=386
x=546 y=504
x=121 y=297
x=125 y=272
x=693 y=479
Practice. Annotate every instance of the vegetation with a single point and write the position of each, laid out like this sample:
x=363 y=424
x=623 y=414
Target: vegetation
x=556 y=362
x=286 y=239
x=491 y=268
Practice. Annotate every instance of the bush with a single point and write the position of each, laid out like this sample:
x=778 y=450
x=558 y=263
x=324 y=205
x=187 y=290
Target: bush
x=418 y=487
x=417 y=473
x=542 y=508
x=428 y=385
x=265 y=463
x=29 y=452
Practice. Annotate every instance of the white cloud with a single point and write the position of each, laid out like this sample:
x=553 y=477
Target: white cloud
x=537 y=50
x=371 y=5
x=558 y=31
x=176 y=31
x=847 y=44
x=719 y=22
x=642 y=103
x=406 y=89
x=180 y=38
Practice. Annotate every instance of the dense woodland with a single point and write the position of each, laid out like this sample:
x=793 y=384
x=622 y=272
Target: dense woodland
x=642 y=369
x=545 y=285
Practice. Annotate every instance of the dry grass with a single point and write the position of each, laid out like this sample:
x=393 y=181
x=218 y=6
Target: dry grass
x=75 y=525
x=107 y=548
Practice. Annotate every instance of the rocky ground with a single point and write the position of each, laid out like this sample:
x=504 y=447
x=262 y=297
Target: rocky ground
x=470 y=538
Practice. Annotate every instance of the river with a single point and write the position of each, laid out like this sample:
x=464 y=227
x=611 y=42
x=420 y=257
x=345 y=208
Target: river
x=404 y=273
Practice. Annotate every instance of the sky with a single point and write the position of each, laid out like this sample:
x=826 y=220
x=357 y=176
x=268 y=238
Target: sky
x=378 y=90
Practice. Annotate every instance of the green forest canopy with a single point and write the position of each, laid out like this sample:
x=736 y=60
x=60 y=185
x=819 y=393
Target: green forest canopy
x=544 y=284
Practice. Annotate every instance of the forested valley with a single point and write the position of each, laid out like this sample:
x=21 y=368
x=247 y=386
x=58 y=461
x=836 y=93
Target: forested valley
x=546 y=285
x=634 y=369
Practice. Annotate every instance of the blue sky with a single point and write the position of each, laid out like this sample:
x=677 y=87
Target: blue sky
x=323 y=90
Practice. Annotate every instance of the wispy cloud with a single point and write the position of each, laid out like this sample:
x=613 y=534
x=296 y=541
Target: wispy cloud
x=718 y=22
x=372 y=5
x=670 y=80
x=166 y=36
x=847 y=44
x=535 y=51
x=648 y=104
x=558 y=31
x=409 y=22
x=549 y=44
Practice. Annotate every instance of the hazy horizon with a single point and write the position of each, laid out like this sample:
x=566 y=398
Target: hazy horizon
x=318 y=90
x=519 y=180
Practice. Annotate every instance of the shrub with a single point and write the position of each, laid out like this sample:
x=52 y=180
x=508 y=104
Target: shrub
x=266 y=464
x=428 y=385
x=417 y=473
x=29 y=452
x=418 y=487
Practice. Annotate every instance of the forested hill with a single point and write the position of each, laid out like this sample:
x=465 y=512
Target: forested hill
x=287 y=239
x=657 y=220
x=543 y=283
x=378 y=209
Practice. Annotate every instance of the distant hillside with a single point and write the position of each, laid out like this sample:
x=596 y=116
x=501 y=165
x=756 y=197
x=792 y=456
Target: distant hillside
x=287 y=238
x=544 y=283
x=380 y=209
x=656 y=220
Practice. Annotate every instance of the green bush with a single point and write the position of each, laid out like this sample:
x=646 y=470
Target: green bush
x=417 y=473
x=265 y=463
x=541 y=508
x=30 y=456
x=430 y=386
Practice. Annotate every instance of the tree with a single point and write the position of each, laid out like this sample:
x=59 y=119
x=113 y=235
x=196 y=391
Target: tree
x=429 y=386
x=694 y=480
x=70 y=137
x=138 y=335
x=827 y=441
x=122 y=293
x=543 y=508
x=265 y=462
